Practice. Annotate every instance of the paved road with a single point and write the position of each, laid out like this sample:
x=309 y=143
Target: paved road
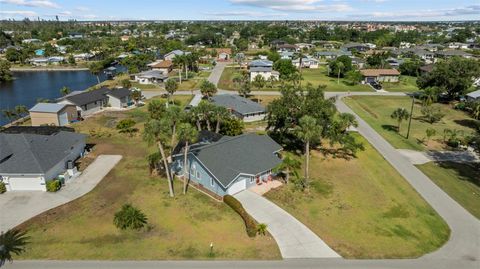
x=293 y=238
x=17 y=207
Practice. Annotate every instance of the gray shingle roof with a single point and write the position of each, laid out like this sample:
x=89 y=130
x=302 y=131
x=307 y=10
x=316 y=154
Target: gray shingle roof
x=261 y=63
x=47 y=107
x=119 y=93
x=474 y=94
x=237 y=103
x=35 y=154
x=245 y=154
x=87 y=97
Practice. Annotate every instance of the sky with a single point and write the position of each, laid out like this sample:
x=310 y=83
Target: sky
x=348 y=10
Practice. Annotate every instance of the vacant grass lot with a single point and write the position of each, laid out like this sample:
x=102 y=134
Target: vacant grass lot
x=376 y=111
x=319 y=77
x=179 y=228
x=363 y=208
x=460 y=180
x=406 y=84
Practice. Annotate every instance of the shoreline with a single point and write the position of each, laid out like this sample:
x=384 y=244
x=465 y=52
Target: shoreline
x=30 y=69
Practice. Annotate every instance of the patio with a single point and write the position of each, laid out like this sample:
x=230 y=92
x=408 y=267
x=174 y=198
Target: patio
x=265 y=186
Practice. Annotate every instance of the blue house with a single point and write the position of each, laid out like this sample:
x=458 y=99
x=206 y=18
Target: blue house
x=228 y=165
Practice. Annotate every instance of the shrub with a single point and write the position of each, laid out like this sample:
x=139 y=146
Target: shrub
x=130 y=217
x=250 y=224
x=53 y=185
x=3 y=188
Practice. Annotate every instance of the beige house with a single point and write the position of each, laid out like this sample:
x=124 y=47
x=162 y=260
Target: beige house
x=380 y=75
x=52 y=114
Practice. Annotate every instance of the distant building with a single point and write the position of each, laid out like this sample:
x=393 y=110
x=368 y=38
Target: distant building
x=380 y=75
x=262 y=68
x=169 y=56
x=150 y=77
x=165 y=66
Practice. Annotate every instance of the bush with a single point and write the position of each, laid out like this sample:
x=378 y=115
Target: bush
x=3 y=188
x=250 y=224
x=53 y=185
x=130 y=217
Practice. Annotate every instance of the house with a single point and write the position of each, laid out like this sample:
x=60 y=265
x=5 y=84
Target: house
x=262 y=68
x=165 y=66
x=358 y=62
x=331 y=55
x=286 y=55
x=240 y=107
x=305 y=46
x=277 y=42
x=229 y=165
x=222 y=54
x=307 y=62
x=83 y=56
x=169 y=56
x=457 y=45
x=119 y=98
x=473 y=96
x=380 y=75
x=425 y=69
x=452 y=53
x=29 y=160
x=395 y=63
x=87 y=102
x=31 y=41
x=355 y=46
x=52 y=114
x=150 y=77
x=287 y=47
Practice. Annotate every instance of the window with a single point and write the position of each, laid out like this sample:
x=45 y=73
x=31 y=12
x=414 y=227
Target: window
x=211 y=182
x=252 y=179
x=198 y=175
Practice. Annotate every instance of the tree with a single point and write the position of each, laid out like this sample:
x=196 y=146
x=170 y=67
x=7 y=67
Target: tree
x=288 y=165
x=455 y=75
x=130 y=217
x=5 y=73
x=126 y=83
x=432 y=114
x=136 y=95
x=13 y=55
x=308 y=131
x=354 y=76
x=341 y=66
x=400 y=114
x=71 y=60
x=127 y=126
x=96 y=68
x=171 y=87
x=259 y=82
x=188 y=134
x=285 y=68
x=179 y=61
x=429 y=133
x=21 y=111
x=208 y=89
x=65 y=90
x=410 y=68
x=158 y=131
x=262 y=228
x=430 y=95
x=232 y=127
x=12 y=242
x=220 y=114
x=9 y=114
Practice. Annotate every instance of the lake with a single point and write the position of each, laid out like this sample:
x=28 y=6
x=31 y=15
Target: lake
x=29 y=86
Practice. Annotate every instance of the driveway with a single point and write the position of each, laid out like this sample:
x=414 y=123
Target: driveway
x=18 y=207
x=294 y=239
x=217 y=72
x=422 y=157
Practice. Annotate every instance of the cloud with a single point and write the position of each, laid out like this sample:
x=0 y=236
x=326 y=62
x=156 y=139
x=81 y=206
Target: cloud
x=429 y=13
x=294 y=5
x=32 y=3
x=82 y=9
x=244 y=14
x=17 y=13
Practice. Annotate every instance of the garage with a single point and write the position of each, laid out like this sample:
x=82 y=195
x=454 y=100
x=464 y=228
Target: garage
x=237 y=187
x=63 y=119
x=26 y=184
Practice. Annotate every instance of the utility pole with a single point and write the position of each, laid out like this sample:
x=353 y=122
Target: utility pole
x=411 y=115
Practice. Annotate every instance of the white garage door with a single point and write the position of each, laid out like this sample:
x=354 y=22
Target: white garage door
x=237 y=187
x=26 y=184
x=63 y=119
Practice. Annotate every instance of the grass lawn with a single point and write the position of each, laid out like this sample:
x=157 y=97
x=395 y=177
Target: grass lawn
x=319 y=77
x=459 y=180
x=376 y=111
x=179 y=228
x=406 y=84
x=365 y=211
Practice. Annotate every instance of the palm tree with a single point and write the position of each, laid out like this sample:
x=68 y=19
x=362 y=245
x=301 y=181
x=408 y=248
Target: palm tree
x=207 y=88
x=308 y=131
x=220 y=114
x=9 y=114
x=12 y=242
x=429 y=95
x=476 y=110
x=188 y=134
x=174 y=114
x=158 y=131
x=340 y=67
x=288 y=165
x=171 y=87
x=130 y=217
x=178 y=63
x=65 y=90
x=21 y=111
x=262 y=228
x=400 y=114
x=95 y=69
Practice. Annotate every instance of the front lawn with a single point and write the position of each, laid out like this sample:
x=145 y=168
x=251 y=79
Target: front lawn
x=405 y=84
x=363 y=208
x=459 y=180
x=319 y=77
x=179 y=228
x=376 y=111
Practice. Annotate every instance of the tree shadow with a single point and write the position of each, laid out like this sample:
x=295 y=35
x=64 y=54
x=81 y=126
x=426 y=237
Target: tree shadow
x=470 y=123
x=467 y=171
x=389 y=127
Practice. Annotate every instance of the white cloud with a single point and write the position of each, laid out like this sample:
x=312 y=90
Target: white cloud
x=244 y=14
x=429 y=13
x=65 y=13
x=17 y=13
x=32 y=3
x=294 y=5
x=82 y=9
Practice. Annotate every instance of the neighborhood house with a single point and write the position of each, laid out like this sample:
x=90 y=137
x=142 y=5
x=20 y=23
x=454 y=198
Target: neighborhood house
x=228 y=165
x=29 y=160
x=52 y=114
x=151 y=77
x=240 y=107
x=380 y=75
x=262 y=68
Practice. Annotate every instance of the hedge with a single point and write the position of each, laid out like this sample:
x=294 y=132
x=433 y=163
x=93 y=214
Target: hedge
x=3 y=188
x=53 y=185
x=250 y=224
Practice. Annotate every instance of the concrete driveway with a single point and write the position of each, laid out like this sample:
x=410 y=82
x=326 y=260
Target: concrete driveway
x=294 y=239
x=18 y=207
x=217 y=72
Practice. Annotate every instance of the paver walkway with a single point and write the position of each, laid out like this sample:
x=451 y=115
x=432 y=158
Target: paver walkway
x=294 y=239
x=18 y=207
